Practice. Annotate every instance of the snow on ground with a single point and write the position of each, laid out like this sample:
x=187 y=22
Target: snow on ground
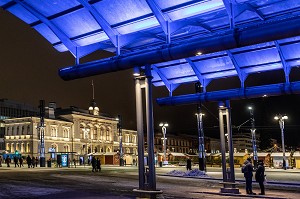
x=194 y=173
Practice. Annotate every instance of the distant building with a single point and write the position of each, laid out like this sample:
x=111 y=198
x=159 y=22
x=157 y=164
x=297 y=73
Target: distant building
x=72 y=130
x=242 y=142
x=13 y=109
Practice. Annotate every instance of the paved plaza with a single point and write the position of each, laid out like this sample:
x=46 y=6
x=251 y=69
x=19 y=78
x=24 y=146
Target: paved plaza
x=116 y=182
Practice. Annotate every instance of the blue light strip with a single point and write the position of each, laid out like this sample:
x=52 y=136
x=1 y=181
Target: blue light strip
x=286 y=66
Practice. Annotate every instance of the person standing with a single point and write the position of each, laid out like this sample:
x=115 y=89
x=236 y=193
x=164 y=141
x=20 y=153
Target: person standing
x=33 y=161
x=260 y=177
x=21 y=162
x=74 y=161
x=16 y=161
x=1 y=161
x=28 y=160
x=98 y=165
x=94 y=162
x=7 y=160
x=188 y=164
x=36 y=161
x=247 y=169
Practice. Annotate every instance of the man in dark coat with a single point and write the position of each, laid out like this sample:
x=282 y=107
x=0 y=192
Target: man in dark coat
x=94 y=164
x=260 y=177
x=28 y=160
x=188 y=164
x=248 y=174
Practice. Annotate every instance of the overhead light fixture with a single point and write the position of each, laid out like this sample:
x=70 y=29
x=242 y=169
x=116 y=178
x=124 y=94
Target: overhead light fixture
x=136 y=71
x=198 y=53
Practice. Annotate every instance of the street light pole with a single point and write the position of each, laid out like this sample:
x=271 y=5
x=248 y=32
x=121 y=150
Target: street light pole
x=281 y=119
x=254 y=146
x=120 y=139
x=164 y=131
x=201 y=148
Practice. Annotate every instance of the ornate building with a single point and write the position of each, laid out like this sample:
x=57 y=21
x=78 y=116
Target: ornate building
x=71 y=130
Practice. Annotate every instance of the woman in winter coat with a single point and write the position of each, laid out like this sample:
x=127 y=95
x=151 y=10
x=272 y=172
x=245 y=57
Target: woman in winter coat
x=260 y=177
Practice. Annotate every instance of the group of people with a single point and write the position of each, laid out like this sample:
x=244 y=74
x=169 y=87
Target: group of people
x=32 y=162
x=247 y=169
x=96 y=164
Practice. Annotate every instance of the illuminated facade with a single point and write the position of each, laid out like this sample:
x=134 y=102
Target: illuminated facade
x=73 y=130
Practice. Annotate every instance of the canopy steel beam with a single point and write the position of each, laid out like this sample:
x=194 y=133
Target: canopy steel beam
x=59 y=33
x=242 y=75
x=233 y=94
x=232 y=39
x=170 y=87
x=285 y=65
x=111 y=33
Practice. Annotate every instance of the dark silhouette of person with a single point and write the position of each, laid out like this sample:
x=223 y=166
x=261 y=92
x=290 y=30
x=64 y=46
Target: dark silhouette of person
x=74 y=161
x=98 y=165
x=248 y=174
x=94 y=164
x=188 y=164
x=260 y=177
x=16 y=161
x=21 y=162
x=28 y=160
x=33 y=162
x=7 y=160
x=36 y=161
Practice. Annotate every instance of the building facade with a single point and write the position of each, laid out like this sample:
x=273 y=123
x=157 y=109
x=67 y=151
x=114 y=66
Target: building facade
x=73 y=131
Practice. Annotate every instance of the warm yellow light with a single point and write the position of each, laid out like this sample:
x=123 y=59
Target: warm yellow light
x=198 y=53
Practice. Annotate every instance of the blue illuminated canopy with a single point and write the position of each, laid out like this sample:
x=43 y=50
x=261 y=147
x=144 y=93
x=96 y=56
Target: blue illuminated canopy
x=129 y=28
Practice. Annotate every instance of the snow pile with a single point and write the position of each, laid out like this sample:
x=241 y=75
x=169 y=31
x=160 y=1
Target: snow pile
x=194 y=173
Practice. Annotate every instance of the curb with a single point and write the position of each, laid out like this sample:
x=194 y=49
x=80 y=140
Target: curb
x=240 y=195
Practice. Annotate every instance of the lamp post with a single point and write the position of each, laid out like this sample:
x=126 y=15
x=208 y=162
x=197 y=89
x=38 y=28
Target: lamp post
x=201 y=147
x=119 y=125
x=86 y=137
x=253 y=137
x=164 y=131
x=281 y=119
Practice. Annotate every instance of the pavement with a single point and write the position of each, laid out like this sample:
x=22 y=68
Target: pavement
x=172 y=187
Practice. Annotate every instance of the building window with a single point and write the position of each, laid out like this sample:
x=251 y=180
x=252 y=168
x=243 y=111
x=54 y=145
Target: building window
x=53 y=132
x=95 y=133
x=107 y=135
x=65 y=133
x=22 y=148
x=23 y=130
x=28 y=130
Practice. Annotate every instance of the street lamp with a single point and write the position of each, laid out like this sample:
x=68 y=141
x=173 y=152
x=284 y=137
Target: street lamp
x=281 y=119
x=164 y=131
x=254 y=147
x=201 y=148
x=119 y=126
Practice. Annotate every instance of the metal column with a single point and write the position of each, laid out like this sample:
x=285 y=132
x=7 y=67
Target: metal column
x=41 y=129
x=228 y=174
x=140 y=132
x=230 y=142
x=201 y=148
x=254 y=147
x=150 y=131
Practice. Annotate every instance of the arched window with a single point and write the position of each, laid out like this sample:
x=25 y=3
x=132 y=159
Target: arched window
x=12 y=148
x=23 y=130
x=22 y=147
x=28 y=148
x=65 y=132
x=108 y=134
x=95 y=137
x=28 y=130
x=127 y=150
x=7 y=146
x=102 y=133
x=66 y=148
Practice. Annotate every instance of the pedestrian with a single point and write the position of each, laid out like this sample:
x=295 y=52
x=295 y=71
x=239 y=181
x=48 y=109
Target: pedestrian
x=36 y=161
x=7 y=161
x=1 y=161
x=98 y=165
x=260 y=177
x=21 y=162
x=94 y=162
x=74 y=161
x=247 y=169
x=188 y=164
x=28 y=160
x=33 y=162
x=16 y=161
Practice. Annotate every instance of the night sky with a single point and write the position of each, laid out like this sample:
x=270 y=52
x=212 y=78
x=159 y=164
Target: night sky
x=29 y=72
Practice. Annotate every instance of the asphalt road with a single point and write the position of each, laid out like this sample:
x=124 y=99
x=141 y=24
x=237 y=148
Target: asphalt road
x=111 y=182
